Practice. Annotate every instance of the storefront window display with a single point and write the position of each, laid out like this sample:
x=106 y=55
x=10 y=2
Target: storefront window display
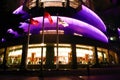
x=64 y=52
x=113 y=59
x=102 y=55
x=84 y=54
x=1 y=55
x=34 y=54
x=14 y=55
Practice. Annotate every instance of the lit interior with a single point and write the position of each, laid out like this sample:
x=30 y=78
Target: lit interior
x=15 y=53
x=37 y=52
x=63 y=54
x=84 y=54
x=52 y=32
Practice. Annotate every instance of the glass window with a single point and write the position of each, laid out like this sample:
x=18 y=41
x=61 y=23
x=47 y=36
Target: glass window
x=1 y=55
x=102 y=55
x=75 y=3
x=31 y=3
x=53 y=3
x=56 y=3
x=64 y=52
x=34 y=54
x=52 y=32
x=112 y=57
x=84 y=54
x=14 y=55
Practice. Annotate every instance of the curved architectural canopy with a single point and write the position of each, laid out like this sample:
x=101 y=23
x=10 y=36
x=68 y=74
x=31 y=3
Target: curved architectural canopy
x=75 y=25
x=86 y=23
x=88 y=16
x=119 y=31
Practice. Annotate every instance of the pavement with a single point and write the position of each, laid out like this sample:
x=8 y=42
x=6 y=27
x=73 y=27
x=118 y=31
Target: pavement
x=95 y=77
x=79 y=74
x=63 y=72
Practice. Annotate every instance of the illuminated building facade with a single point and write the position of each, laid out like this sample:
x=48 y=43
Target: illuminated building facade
x=82 y=42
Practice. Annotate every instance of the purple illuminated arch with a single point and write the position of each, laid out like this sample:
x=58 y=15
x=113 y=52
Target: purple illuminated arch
x=88 y=16
x=85 y=14
x=77 y=26
x=119 y=31
x=92 y=26
x=21 y=10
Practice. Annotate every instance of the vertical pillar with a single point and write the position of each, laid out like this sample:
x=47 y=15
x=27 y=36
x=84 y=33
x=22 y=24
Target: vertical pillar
x=68 y=3
x=108 y=56
x=5 y=59
x=116 y=58
x=49 y=57
x=103 y=57
x=96 y=57
x=37 y=3
x=24 y=57
x=74 y=58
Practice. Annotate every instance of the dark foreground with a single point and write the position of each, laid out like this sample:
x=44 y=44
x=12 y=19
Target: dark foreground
x=95 y=77
x=81 y=74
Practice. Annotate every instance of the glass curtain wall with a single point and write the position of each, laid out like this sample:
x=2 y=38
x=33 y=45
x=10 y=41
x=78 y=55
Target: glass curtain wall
x=14 y=54
x=84 y=54
x=53 y=3
x=64 y=54
x=103 y=56
x=45 y=3
x=34 y=54
x=74 y=3
x=1 y=55
x=113 y=59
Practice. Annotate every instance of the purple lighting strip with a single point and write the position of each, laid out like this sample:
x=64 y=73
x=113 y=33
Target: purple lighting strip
x=88 y=16
x=92 y=27
x=119 y=31
x=20 y=10
x=77 y=26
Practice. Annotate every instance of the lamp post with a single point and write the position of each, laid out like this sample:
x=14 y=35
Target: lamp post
x=42 y=44
x=25 y=50
x=33 y=22
x=28 y=40
x=57 y=46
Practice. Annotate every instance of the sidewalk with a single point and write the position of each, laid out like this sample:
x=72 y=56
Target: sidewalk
x=73 y=72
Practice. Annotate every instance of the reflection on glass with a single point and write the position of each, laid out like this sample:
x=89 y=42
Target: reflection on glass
x=34 y=55
x=75 y=3
x=64 y=54
x=31 y=3
x=55 y=3
x=112 y=57
x=14 y=55
x=1 y=55
x=84 y=54
x=102 y=55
